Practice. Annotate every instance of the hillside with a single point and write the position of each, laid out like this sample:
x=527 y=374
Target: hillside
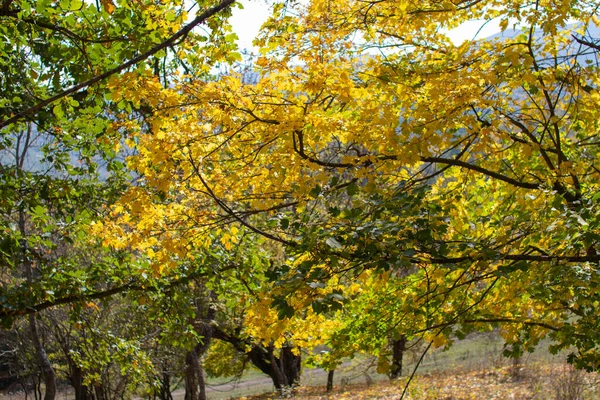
x=535 y=381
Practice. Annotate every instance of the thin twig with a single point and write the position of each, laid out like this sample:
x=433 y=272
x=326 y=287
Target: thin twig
x=412 y=375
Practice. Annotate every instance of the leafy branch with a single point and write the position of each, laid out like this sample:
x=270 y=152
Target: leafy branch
x=179 y=35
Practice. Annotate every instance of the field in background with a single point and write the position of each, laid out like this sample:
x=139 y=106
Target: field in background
x=534 y=381
x=473 y=368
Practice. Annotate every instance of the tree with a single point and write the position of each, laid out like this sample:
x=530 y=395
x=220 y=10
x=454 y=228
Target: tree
x=465 y=172
x=61 y=150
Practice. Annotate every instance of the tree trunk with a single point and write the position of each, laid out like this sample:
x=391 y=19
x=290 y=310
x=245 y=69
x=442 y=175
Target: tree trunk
x=398 y=348
x=75 y=374
x=201 y=383
x=291 y=364
x=195 y=384
x=192 y=371
x=279 y=379
x=330 y=380
x=284 y=370
x=48 y=374
x=76 y=378
x=165 y=387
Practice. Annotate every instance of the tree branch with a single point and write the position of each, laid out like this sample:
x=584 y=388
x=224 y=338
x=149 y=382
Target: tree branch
x=484 y=171
x=170 y=41
x=587 y=43
x=131 y=286
x=235 y=215
x=518 y=257
x=298 y=143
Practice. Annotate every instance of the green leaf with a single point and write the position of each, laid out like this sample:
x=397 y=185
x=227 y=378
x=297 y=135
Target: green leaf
x=506 y=270
x=409 y=253
x=316 y=191
x=284 y=310
x=352 y=189
x=76 y=5
x=284 y=223
x=58 y=111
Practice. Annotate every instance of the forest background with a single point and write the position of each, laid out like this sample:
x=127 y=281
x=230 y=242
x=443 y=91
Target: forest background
x=172 y=207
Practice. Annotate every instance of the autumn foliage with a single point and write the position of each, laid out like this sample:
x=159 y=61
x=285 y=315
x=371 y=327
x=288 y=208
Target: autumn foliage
x=378 y=181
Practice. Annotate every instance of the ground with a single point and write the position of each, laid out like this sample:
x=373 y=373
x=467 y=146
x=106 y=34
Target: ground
x=534 y=381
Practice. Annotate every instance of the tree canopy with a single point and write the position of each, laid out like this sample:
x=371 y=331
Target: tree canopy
x=397 y=183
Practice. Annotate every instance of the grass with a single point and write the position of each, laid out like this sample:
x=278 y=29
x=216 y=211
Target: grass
x=537 y=382
x=472 y=367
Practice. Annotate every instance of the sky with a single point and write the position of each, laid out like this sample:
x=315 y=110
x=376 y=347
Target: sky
x=247 y=22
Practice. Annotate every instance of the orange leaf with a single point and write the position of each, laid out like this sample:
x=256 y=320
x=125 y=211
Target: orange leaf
x=108 y=6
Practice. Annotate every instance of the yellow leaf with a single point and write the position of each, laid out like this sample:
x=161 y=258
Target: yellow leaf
x=108 y=6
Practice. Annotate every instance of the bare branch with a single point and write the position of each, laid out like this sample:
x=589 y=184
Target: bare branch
x=587 y=43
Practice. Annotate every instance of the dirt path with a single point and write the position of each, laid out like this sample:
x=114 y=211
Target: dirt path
x=248 y=386
x=231 y=389
x=257 y=385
